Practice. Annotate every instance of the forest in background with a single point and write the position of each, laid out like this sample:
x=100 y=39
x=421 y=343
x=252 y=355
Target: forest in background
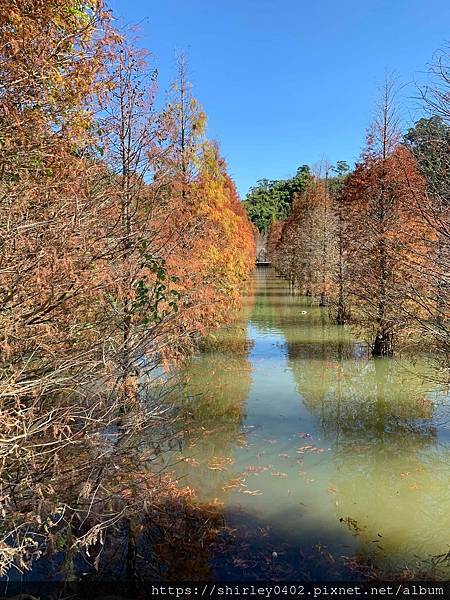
x=373 y=243
x=123 y=242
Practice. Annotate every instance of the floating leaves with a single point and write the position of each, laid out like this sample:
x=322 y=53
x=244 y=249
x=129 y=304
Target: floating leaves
x=190 y=460
x=255 y=470
x=279 y=474
x=220 y=463
x=311 y=449
x=234 y=484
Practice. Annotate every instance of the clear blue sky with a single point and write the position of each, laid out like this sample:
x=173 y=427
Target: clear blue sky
x=287 y=82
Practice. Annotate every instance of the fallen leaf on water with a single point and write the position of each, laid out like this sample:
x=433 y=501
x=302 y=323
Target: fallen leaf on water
x=190 y=461
x=333 y=490
x=219 y=463
x=309 y=448
x=233 y=484
x=304 y=448
x=252 y=492
x=254 y=470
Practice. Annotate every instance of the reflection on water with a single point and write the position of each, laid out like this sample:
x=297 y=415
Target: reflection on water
x=338 y=455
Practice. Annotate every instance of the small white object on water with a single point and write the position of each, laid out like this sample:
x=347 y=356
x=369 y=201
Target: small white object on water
x=303 y=312
x=274 y=554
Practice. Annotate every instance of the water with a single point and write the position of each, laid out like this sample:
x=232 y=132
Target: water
x=327 y=465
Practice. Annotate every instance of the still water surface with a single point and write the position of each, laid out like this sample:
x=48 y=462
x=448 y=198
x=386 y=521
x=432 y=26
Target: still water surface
x=317 y=453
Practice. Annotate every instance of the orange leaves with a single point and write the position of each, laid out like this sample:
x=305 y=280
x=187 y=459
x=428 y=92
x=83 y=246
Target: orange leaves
x=117 y=256
x=388 y=241
x=215 y=253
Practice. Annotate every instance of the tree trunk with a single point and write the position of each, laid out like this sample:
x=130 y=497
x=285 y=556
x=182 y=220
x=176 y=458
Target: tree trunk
x=384 y=343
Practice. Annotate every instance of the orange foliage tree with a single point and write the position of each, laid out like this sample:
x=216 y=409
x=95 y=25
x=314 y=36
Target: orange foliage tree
x=384 y=237
x=364 y=243
x=122 y=241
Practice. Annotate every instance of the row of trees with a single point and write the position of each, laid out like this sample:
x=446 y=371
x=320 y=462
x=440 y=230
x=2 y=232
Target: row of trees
x=373 y=244
x=122 y=241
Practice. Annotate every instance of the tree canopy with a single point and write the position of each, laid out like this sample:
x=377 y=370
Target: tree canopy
x=271 y=200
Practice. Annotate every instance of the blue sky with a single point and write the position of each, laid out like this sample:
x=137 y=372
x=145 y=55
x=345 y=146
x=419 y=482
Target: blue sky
x=288 y=82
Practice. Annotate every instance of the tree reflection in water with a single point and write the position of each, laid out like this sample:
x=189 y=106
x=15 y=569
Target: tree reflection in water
x=391 y=470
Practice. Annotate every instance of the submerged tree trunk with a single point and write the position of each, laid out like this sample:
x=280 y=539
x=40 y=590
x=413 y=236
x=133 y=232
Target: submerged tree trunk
x=384 y=343
x=131 y=555
x=341 y=314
